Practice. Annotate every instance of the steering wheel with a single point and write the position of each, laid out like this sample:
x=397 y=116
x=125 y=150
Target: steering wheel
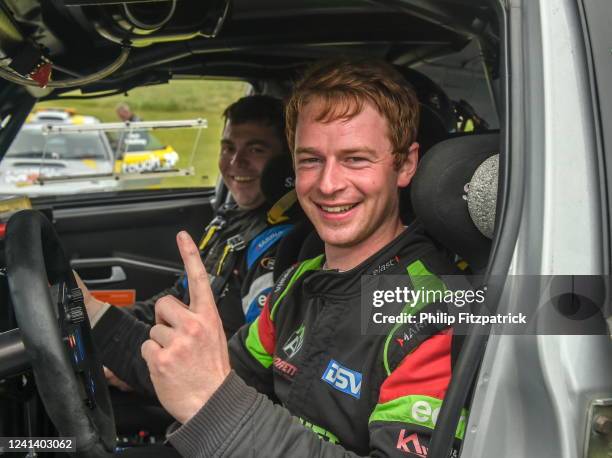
x=57 y=336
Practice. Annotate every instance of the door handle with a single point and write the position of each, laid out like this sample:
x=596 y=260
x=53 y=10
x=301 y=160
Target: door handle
x=117 y=275
x=127 y=262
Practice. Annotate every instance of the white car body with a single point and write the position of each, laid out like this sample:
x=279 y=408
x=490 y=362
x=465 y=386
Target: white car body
x=37 y=158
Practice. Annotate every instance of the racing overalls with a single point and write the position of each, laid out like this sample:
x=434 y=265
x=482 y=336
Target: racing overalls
x=247 y=279
x=243 y=282
x=375 y=395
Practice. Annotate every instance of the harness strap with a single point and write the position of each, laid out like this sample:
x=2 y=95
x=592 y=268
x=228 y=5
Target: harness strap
x=276 y=214
x=211 y=229
x=228 y=260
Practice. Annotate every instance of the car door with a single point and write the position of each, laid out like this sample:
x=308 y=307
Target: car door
x=125 y=244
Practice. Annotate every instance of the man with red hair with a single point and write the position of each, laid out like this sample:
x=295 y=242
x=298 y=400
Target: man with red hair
x=351 y=126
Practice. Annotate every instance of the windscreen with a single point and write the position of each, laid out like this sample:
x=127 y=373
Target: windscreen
x=32 y=143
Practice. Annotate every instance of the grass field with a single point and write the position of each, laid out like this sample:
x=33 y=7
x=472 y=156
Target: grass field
x=176 y=100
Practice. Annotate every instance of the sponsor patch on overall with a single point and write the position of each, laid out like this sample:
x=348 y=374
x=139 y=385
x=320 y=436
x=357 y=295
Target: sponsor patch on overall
x=294 y=342
x=284 y=367
x=386 y=265
x=284 y=279
x=255 y=299
x=267 y=263
x=410 y=443
x=343 y=379
x=264 y=241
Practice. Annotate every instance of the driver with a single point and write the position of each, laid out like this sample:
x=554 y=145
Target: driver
x=351 y=126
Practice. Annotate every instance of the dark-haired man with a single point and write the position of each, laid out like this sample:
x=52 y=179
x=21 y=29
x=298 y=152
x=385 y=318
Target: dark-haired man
x=252 y=135
x=239 y=245
x=351 y=126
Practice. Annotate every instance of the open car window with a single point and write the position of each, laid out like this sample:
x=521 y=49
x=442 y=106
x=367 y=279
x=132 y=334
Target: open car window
x=83 y=146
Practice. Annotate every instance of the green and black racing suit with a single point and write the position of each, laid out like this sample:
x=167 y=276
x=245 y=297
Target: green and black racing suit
x=306 y=381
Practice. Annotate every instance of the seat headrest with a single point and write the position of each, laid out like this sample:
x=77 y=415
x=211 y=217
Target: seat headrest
x=437 y=113
x=431 y=129
x=277 y=178
x=454 y=194
x=436 y=123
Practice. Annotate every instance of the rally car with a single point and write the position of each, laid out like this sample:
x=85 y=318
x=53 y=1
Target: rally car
x=141 y=156
x=36 y=154
x=138 y=151
x=44 y=159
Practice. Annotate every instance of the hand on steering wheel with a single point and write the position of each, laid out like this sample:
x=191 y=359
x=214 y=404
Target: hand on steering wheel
x=57 y=335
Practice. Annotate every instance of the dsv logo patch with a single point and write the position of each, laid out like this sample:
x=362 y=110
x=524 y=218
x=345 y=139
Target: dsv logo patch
x=343 y=379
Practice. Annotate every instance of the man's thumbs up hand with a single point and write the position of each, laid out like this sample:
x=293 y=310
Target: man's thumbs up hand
x=187 y=350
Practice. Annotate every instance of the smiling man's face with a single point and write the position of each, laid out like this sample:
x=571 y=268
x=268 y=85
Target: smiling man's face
x=346 y=180
x=245 y=150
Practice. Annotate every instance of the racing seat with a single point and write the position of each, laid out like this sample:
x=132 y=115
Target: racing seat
x=277 y=178
x=437 y=121
x=454 y=194
x=437 y=114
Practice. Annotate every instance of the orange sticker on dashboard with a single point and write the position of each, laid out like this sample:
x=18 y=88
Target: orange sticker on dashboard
x=118 y=297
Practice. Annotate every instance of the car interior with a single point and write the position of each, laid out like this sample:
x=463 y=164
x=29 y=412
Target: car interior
x=450 y=51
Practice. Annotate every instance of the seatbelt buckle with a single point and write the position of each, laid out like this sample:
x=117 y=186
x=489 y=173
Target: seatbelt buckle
x=236 y=243
x=217 y=222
